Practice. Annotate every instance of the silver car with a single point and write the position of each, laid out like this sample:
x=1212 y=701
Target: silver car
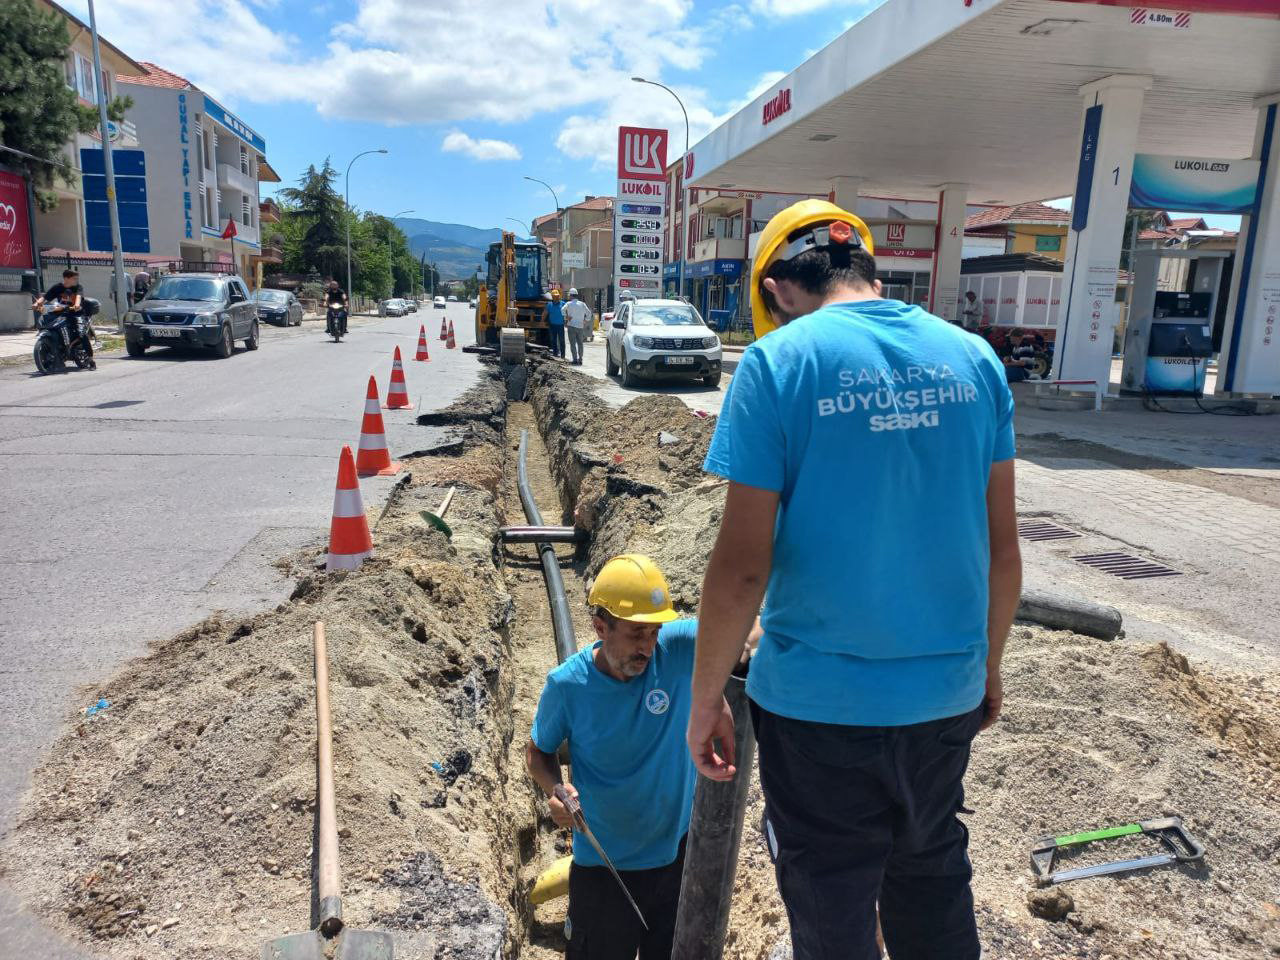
x=661 y=339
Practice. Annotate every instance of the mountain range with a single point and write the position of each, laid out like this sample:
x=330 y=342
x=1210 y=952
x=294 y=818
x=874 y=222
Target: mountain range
x=456 y=249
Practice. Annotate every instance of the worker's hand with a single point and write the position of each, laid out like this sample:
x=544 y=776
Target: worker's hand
x=709 y=722
x=993 y=701
x=559 y=812
x=753 y=641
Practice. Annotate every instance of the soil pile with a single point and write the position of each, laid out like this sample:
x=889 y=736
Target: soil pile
x=1094 y=734
x=178 y=823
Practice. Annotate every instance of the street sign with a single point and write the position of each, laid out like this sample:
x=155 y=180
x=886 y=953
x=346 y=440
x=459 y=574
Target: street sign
x=570 y=260
x=639 y=216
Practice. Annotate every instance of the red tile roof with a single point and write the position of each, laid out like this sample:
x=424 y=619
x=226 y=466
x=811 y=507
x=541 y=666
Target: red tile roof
x=158 y=77
x=1188 y=223
x=595 y=203
x=1018 y=213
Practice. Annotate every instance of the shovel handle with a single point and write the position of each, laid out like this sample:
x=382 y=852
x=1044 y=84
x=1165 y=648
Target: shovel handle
x=326 y=812
x=444 y=506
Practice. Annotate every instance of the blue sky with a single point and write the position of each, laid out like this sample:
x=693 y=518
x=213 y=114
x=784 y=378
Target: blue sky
x=468 y=96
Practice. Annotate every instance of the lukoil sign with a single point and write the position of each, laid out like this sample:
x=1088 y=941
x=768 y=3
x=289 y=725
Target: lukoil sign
x=1202 y=184
x=776 y=106
x=642 y=153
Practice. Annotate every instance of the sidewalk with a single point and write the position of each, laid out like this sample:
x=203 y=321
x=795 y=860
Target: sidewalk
x=17 y=343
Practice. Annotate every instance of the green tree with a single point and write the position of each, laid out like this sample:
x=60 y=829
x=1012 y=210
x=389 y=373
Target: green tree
x=39 y=113
x=323 y=245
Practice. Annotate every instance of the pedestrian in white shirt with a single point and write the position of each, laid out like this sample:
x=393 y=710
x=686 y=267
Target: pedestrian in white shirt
x=577 y=320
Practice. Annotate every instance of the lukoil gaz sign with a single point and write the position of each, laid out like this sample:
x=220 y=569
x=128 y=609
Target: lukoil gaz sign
x=639 y=215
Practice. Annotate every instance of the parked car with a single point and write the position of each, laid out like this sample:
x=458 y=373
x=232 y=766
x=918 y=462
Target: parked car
x=278 y=306
x=661 y=339
x=472 y=303
x=392 y=308
x=451 y=298
x=195 y=310
x=411 y=305
x=439 y=304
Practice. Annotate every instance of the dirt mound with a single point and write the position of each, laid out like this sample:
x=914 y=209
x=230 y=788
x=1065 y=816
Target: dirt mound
x=178 y=823
x=1095 y=734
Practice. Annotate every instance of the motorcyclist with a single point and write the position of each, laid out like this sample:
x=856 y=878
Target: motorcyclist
x=69 y=296
x=335 y=296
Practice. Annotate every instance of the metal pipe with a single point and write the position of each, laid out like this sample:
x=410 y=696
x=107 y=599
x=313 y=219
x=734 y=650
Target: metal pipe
x=542 y=535
x=715 y=834
x=561 y=619
x=326 y=811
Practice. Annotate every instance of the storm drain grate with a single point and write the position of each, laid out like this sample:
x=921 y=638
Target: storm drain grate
x=1126 y=566
x=1043 y=530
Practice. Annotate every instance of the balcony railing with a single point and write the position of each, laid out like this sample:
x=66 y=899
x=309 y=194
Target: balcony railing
x=269 y=211
x=230 y=178
x=270 y=255
x=719 y=248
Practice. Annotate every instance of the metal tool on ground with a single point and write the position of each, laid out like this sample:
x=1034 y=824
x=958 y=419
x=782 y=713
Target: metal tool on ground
x=580 y=822
x=1181 y=847
x=332 y=939
x=437 y=519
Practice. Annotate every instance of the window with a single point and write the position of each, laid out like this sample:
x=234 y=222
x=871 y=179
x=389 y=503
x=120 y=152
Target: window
x=84 y=79
x=200 y=164
x=69 y=68
x=244 y=162
x=245 y=216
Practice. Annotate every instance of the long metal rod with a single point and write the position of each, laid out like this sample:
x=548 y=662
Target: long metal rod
x=715 y=834
x=561 y=619
x=326 y=811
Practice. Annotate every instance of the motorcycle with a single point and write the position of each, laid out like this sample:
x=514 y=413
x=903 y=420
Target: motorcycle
x=64 y=336
x=336 y=323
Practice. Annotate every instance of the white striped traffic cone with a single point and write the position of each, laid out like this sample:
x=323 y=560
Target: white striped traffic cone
x=451 y=343
x=423 y=354
x=398 y=392
x=444 y=330
x=373 y=459
x=349 y=541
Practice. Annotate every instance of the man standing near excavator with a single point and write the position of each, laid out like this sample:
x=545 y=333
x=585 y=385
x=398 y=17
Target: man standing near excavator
x=621 y=704
x=869 y=451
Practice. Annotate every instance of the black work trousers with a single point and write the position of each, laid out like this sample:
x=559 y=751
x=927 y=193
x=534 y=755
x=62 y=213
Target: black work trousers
x=556 y=331
x=860 y=815
x=602 y=924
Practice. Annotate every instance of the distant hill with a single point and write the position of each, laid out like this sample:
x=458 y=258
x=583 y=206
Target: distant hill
x=455 y=248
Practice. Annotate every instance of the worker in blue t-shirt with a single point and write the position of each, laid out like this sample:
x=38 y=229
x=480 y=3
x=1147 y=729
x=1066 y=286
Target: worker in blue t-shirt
x=622 y=705
x=555 y=324
x=869 y=451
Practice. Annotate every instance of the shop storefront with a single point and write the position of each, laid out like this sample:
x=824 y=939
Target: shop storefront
x=716 y=290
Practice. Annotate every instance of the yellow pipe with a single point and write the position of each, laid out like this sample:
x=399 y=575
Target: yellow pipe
x=553 y=883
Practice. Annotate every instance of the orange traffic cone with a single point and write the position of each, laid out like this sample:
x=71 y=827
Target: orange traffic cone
x=349 y=542
x=422 y=344
x=398 y=392
x=444 y=332
x=451 y=343
x=373 y=458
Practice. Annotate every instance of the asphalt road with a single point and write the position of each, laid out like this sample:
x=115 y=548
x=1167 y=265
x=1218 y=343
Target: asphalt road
x=141 y=497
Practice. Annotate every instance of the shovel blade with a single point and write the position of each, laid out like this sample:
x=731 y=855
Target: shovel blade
x=351 y=945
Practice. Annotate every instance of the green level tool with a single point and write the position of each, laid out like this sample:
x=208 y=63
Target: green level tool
x=1180 y=847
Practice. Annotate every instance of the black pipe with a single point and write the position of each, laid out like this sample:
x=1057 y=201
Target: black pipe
x=715 y=834
x=542 y=535
x=561 y=619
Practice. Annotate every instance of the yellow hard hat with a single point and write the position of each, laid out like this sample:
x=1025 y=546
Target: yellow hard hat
x=773 y=238
x=631 y=587
x=555 y=294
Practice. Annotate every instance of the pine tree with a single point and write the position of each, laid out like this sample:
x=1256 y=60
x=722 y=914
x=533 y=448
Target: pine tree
x=324 y=245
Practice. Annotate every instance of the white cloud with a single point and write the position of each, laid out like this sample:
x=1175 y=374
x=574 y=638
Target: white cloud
x=796 y=8
x=455 y=141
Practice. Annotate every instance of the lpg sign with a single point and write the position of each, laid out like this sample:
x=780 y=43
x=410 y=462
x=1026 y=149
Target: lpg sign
x=642 y=153
x=642 y=176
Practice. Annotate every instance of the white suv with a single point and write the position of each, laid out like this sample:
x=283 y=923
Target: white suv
x=661 y=339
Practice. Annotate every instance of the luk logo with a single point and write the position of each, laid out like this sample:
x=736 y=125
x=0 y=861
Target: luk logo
x=642 y=153
x=904 y=421
x=896 y=233
x=657 y=702
x=775 y=107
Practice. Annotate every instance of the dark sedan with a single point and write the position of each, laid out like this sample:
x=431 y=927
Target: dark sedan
x=278 y=307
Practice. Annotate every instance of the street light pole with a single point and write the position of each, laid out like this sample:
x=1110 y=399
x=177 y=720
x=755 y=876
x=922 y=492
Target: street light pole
x=528 y=230
x=119 y=295
x=548 y=186
x=346 y=213
x=684 y=192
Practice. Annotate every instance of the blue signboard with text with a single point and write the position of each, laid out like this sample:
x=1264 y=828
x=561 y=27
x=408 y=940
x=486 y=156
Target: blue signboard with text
x=130 y=167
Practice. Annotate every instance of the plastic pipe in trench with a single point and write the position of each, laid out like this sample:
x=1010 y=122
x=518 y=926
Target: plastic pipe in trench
x=561 y=620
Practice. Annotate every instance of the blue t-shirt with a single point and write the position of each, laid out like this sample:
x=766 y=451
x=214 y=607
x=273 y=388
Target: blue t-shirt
x=877 y=423
x=631 y=764
x=555 y=317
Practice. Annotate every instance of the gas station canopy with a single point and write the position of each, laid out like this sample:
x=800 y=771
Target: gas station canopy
x=987 y=93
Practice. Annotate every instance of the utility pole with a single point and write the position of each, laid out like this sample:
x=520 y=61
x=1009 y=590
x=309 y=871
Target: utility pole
x=119 y=295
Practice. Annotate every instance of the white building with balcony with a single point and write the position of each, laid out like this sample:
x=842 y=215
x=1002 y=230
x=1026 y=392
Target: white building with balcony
x=203 y=167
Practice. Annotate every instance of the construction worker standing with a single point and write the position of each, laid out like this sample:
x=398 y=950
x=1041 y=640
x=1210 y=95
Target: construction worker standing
x=869 y=448
x=555 y=324
x=622 y=704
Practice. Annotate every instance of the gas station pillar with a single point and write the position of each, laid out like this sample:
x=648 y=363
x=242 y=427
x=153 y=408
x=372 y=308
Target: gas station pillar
x=1087 y=312
x=844 y=193
x=1250 y=358
x=944 y=290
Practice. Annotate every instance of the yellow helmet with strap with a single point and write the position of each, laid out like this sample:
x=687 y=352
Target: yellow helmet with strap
x=773 y=245
x=631 y=587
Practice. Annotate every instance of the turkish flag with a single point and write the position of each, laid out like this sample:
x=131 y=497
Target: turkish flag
x=230 y=232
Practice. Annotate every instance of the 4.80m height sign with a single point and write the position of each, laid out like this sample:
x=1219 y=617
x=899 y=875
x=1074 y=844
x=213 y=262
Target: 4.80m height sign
x=639 y=215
